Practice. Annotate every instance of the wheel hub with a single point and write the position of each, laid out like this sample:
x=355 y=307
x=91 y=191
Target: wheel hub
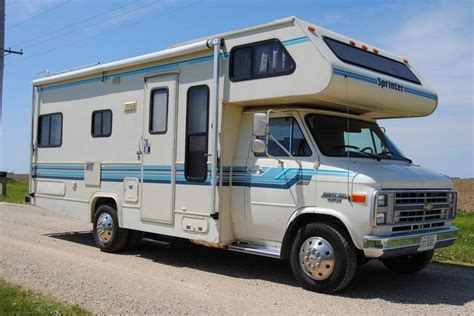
x=317 y=258
x=105 y=225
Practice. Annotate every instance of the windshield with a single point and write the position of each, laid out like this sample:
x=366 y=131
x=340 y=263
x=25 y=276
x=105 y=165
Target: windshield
x=341 y=137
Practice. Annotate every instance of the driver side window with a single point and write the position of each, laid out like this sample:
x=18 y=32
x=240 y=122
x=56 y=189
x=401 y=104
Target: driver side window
x=288 y=133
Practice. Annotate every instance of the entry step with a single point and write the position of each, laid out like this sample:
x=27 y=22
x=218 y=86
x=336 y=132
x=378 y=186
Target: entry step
x=254 y=249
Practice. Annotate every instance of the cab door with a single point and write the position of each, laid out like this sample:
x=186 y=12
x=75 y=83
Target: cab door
x=159 y=149
x=281 y=182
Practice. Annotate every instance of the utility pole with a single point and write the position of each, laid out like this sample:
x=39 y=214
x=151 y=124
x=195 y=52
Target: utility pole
x=3 y=52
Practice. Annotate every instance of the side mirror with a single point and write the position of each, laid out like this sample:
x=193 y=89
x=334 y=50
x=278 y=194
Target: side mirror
x=259 y=124
x=258 y=146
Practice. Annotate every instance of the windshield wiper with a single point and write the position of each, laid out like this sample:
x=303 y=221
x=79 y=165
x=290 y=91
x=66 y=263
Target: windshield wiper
x=394 y=154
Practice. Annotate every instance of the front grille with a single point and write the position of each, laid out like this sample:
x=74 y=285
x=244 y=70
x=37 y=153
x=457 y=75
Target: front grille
x=420 y=210
x=420 y=207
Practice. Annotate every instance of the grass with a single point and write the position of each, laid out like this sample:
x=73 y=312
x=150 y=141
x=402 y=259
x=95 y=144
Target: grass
x=462 y=252
x=16 y=192
x=14 y=300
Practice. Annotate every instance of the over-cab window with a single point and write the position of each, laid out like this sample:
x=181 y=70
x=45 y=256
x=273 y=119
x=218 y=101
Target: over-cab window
x=260 y=60
x=288 y=133
x=101 y=123
x=158 y=111
x=197 y=113
x=362 y=58
x=50 y=130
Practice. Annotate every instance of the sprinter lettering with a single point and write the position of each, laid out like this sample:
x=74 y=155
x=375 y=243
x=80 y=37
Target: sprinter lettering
x=391 y=85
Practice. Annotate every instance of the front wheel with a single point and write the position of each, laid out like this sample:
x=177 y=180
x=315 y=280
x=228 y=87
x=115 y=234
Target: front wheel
x=108 y=236
x=323 y=258
x=409 y=263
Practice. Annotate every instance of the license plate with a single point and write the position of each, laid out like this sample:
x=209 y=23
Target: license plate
x=427 y=242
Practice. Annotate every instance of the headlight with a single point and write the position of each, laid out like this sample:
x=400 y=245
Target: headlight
x=451 y=197
x=382 y=200
x=380 y=218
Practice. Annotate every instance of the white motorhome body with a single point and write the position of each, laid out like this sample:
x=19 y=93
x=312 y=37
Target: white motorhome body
x=170 y=141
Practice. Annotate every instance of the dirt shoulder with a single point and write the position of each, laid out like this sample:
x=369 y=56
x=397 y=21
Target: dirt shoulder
x=54 y=254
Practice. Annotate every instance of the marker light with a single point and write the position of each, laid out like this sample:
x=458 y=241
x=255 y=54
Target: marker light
x=405 y=61
x=351 y=42
x=364 y=46
x=311 y=29
x=358 y=198
x=375 y=50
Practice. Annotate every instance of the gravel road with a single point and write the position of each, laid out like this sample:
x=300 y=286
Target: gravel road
x=56 y=255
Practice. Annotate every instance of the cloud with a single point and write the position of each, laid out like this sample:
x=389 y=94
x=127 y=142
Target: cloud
x=438 y=41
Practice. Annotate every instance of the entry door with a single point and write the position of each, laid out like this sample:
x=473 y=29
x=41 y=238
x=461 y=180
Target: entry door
x=159 y=149
x=279 y=184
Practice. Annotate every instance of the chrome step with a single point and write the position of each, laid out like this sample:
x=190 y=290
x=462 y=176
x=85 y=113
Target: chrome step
x=253 y=249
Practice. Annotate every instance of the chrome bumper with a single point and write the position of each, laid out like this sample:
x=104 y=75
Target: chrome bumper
x=404 y=244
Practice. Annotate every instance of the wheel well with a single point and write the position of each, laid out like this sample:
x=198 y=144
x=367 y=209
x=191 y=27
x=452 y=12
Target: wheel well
x=302 y=220
x=98 y=201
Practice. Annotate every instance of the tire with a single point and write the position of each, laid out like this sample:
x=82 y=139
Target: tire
x=335 y=250
x=108 y=236
x=409 y=263
x=134 y=239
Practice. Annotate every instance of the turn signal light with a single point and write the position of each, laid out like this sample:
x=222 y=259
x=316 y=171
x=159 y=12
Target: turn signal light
x=375 y=50
x=358 y=198
x=405 y=61
x=364 y=46
x=351 y=42
x=311 y=29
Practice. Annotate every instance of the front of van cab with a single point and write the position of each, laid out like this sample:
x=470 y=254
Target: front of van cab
x=410 y=208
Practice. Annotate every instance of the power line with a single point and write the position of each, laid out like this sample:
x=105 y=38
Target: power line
x=102 y=33
x=9 y=51
x=39 y=14
x=73 y=24
x=93 y=24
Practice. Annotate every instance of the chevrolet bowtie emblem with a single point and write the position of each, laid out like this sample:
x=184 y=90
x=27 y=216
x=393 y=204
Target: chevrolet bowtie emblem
x=428 y=207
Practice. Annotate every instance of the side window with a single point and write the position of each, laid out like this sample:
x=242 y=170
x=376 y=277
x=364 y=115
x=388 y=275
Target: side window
x=197 y=113
x=260 y=60
x=50 y=130
x=158 y=111
x=288 y=133
x=101 y=123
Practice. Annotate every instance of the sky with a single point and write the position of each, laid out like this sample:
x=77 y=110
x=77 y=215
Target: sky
x=436 y=36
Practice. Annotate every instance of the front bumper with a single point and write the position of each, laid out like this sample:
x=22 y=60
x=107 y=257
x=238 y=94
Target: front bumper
x=404 y=244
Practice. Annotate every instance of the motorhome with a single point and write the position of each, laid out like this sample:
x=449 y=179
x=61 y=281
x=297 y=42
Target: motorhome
x=262 y=140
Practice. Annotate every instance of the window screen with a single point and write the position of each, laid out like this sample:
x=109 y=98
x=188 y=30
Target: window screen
x=260 y=60
x=359 y=57
x=50 y=129
x=288 y=133
x=197 y=133
x=101 y=123
x=159 y=111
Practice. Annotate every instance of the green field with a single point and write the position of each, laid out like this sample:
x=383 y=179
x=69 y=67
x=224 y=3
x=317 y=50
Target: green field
x=16 y=301
x=462 y=252
x=16 y=192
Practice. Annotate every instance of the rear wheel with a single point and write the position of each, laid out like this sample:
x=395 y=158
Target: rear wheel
x=323 y=258
x=108 y=236
x=409 y=263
